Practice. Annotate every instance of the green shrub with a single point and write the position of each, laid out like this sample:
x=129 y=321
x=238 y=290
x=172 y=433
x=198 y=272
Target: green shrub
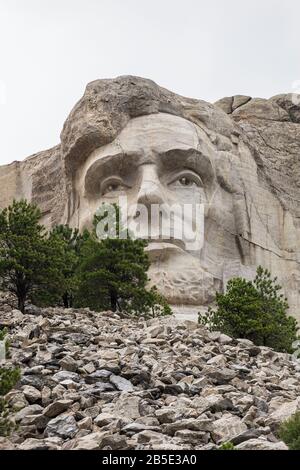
x=254 y=310
x=8 y=379
x=289 y=432
x=226 y=446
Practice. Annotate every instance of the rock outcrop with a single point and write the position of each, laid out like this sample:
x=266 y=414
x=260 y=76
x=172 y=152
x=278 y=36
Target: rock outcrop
x=244 y=158
x=98 y=381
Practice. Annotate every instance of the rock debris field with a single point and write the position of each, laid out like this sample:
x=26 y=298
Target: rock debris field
x=98 y=381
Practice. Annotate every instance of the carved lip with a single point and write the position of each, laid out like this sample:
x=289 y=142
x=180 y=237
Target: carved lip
x=157 y=245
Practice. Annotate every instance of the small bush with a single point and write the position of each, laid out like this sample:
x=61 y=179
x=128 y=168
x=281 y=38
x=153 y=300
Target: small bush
x=226 y=446
x=289 y=432
x=254 y=310
x=8 y=378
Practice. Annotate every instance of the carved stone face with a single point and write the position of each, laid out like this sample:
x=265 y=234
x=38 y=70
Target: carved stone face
x=166 y=160
x=239 y=159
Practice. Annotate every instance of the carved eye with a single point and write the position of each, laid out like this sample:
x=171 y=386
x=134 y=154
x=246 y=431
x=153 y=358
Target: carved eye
x=185 y=181
x=110 y=187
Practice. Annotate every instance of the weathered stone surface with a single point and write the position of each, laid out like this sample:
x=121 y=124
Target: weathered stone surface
x=121 y=384
x=246 y=152
x=261 y=444
x=57 y=407
x=220 y=376
x=226 y=427
x=38 y=444
x=66 y=375
x=63 y=426
x=195 y=391
x=98 y=376
x=31 y=394
x=283 y=411
x=103 y=419
x=28 y=410
x=90 y=442
x=68 y=363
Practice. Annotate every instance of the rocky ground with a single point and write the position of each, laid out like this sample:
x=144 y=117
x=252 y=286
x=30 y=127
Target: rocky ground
x=98 y=381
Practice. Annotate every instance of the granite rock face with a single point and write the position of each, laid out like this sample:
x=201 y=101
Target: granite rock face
x=187 y=390
x=239 y=156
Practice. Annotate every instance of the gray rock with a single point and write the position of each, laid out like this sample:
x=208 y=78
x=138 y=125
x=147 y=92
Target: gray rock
x=261 y=444
x=199 y=424
x=31 y=394
x=39 y=421
x=103 y=419
x=114 y=442
x=85 y=423
x=227 y=427
x=134 y=428
x=98 y=389
x=221 y=376
x=249 y=434
x=98 y=376
x=121 y=384
x=283 y=412
x=166 y=415
x=28 y=410
x=91 y=441
x=69 y=364
x=38 y=444
x=57 y=407
x=63 y=426
x=195 y=438
x=32 y=380
x=66 y=375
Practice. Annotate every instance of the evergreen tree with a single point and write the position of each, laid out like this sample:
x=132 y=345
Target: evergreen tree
x=254 y=310
x=30 y=262
x=113 y=270
x=72 y=242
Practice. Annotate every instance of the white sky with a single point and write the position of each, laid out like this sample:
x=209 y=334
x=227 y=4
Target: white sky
x=50 y=49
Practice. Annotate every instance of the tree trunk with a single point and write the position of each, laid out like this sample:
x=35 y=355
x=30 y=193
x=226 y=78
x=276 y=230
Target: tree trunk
x=21 y=303
x=113 y=301
x=65 y=298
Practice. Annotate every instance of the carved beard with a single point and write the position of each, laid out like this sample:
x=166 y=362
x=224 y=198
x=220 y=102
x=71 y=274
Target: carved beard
x=183 y=281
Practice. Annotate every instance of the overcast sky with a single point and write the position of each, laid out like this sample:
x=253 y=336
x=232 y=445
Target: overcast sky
x=50 y=49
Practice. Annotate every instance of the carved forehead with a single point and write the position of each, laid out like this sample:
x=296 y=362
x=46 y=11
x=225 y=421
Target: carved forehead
x=158 y=133
x=154 y=134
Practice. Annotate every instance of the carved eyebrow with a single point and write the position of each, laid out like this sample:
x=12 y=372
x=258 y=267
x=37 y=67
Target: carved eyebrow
x=191 y=158
x=106 y=166
x=110 y=163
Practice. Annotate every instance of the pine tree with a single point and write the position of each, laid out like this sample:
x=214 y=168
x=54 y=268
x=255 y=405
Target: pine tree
x=30 y=262
x=72 y=242
x=113 y=271
x=254 y=310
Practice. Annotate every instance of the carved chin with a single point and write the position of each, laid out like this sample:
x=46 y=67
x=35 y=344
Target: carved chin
x=184 y=284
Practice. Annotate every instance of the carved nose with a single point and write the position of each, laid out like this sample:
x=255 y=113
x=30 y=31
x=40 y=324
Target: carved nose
x=151 y=190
